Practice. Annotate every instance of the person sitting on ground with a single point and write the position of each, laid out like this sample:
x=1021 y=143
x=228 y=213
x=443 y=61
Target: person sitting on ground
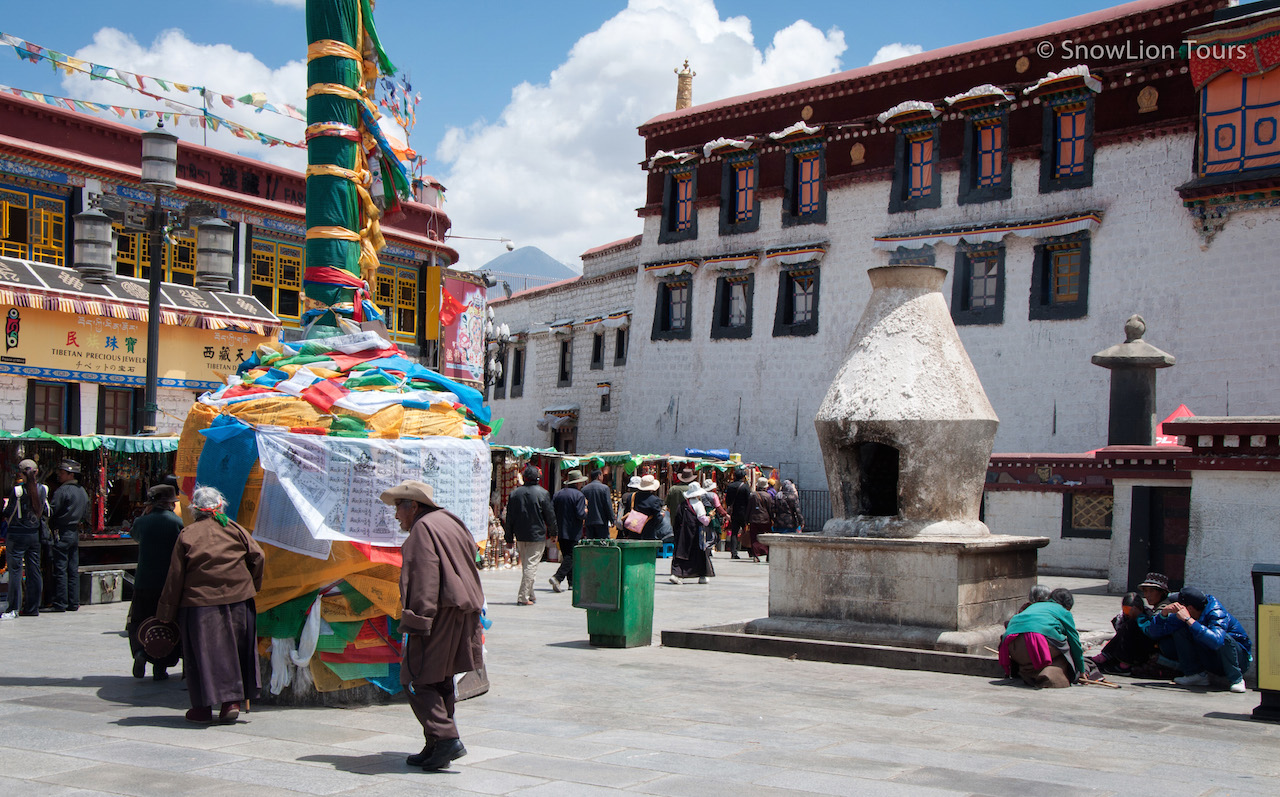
x=1207 y=639
x=1130 y=647
x=1041 y=644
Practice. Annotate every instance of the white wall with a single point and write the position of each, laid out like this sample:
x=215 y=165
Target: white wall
x=174 y=405
x=1033 y=513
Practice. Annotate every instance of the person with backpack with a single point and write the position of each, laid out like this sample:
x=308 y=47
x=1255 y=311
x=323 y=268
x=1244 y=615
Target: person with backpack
x=26 y=512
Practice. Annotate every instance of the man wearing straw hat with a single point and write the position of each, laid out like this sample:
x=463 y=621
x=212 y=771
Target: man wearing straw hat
x=440 y=588
x=68 y=508
x=25 y=511
x=571 y=510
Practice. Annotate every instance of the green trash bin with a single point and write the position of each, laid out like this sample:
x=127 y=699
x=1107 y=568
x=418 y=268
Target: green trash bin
x=613 y=581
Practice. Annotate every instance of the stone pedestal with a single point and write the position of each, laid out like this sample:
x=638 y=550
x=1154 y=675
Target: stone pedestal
x=949 y=594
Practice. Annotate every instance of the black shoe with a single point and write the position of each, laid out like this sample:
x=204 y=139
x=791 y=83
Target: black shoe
x=159 y=673
x=446 y=750
x=140 y=665
x=418 y=759
x=55 y=609
x=73 y=608
x=735 y=556
x=29 y=614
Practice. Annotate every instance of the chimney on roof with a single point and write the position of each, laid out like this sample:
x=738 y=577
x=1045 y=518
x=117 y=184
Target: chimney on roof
x=1133 y=366
x=684 y=86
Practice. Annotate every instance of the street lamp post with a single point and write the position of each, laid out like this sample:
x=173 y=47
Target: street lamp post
x=160 y=174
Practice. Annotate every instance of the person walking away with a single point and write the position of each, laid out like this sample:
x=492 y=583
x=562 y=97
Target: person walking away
x=68 y=509
x=1207 y=639
x=625 y=505
x=759 y=520
x=787 y=518
x=443 y=598
x=691 y=557
x=156 y=533
x=26 y=511
x=214 y=574
x=571 y=509
x=599 y=507
x=675 y=494
x=529 y=517
x=648 y=503
x=738 y=496
x=715 y=508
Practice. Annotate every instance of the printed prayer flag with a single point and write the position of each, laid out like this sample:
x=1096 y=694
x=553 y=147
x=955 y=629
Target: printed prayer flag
x=228 y=101
x=183 y=87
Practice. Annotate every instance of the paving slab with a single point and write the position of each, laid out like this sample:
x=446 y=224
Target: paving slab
x=565 y=719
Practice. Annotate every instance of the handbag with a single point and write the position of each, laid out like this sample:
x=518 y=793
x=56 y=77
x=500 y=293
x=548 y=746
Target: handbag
x=634 y=521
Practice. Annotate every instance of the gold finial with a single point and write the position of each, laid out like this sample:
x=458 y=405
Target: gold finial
x=684 y=86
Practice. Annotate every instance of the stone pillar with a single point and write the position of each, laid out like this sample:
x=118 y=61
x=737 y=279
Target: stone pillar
x=684 y=86
x=1133 y=364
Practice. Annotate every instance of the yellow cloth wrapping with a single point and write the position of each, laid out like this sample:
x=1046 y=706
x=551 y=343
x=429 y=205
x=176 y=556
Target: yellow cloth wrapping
x=337 y=609
x=289 y=575
x=191 y=442
x=439 y=421
x=279 y=410
x=250 y=498
x=386 y=422
x=332 y=47
x=380 y=584
x=326 y=680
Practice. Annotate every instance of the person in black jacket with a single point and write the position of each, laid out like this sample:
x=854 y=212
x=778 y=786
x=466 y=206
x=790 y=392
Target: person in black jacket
x=737 y=495
x=529 y=515
x=68 y=508
x=599 y=508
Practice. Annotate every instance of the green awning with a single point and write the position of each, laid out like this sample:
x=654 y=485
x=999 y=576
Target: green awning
x=92 y=442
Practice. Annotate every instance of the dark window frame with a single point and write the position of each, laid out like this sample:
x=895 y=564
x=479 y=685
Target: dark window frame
x=500 y=381
x=1049 y=183
x=597 y=351
x=791 y=215
x=605 y=404
x=134 y=413
x=900 y=200
x=662 y=328
x=720 y=328
x=962 y=313
x=1069 y=529
x=1042 y=306
x=621 y=342
x=670 y=201
x=971 y=192
x=516 y=382
x=729 y=223
x=70 y=420
x=786 y=277
x=564 y=372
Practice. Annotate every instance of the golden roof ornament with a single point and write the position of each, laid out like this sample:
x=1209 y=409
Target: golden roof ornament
x=684 y=86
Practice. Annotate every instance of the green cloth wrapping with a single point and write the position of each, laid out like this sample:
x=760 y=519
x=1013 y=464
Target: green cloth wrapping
x=286 y=620
x=366 y=14
x=358 y=602
x=355 y=672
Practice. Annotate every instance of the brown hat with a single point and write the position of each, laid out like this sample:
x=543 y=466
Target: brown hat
x=158 y=639
x=1156 y=580
x=687 y=475
x=412 y=490
x=574 y=477
x=28 y=464
x=162 y=492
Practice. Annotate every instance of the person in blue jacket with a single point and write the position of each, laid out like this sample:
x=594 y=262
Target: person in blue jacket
x=1207 y=639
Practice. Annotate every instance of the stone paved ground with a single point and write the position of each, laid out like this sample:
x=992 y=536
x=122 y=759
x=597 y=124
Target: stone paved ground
x=565 y=719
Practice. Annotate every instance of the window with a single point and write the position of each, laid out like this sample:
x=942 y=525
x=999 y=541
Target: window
x=604 y=402
x=53 y=407
x=732 y=315
x=116 y=408
x=977 y=286
x=565 y=376
x=805 y=194
x=33 y=226
x=620 y=346
x=276 y=277
x=916 y=178
x=679 y=217
x=984 y=170
x=500 y=378
x=133 y=256
x=1087 y=515
x=517 y=372
x=395 y=292
x=739 y=198
x=671 y=316
x=1238 y=125
x=597 y=351
x=1067 y=143
x=1060 y=278
x=797 y=312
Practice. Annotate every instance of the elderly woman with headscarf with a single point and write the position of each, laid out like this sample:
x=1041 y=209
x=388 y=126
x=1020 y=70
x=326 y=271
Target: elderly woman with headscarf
x=156 y=533
x=691 y=557
x=214 y=574
x=1041 y=644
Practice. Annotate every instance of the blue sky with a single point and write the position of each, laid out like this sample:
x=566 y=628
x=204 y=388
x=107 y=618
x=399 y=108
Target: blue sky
x=521 y=100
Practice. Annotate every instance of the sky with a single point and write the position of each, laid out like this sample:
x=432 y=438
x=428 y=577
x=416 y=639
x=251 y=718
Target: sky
x=529 y=110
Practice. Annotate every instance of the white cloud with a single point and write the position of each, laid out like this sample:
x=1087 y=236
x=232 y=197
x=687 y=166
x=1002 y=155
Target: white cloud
x=218 y=67
x=558 y=170
x=893 y=51
x=289 y=3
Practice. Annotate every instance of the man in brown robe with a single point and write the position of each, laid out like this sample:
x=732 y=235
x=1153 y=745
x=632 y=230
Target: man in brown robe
x=440 y=588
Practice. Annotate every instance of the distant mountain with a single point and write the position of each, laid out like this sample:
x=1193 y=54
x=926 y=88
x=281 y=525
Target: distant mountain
x=529 y=261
